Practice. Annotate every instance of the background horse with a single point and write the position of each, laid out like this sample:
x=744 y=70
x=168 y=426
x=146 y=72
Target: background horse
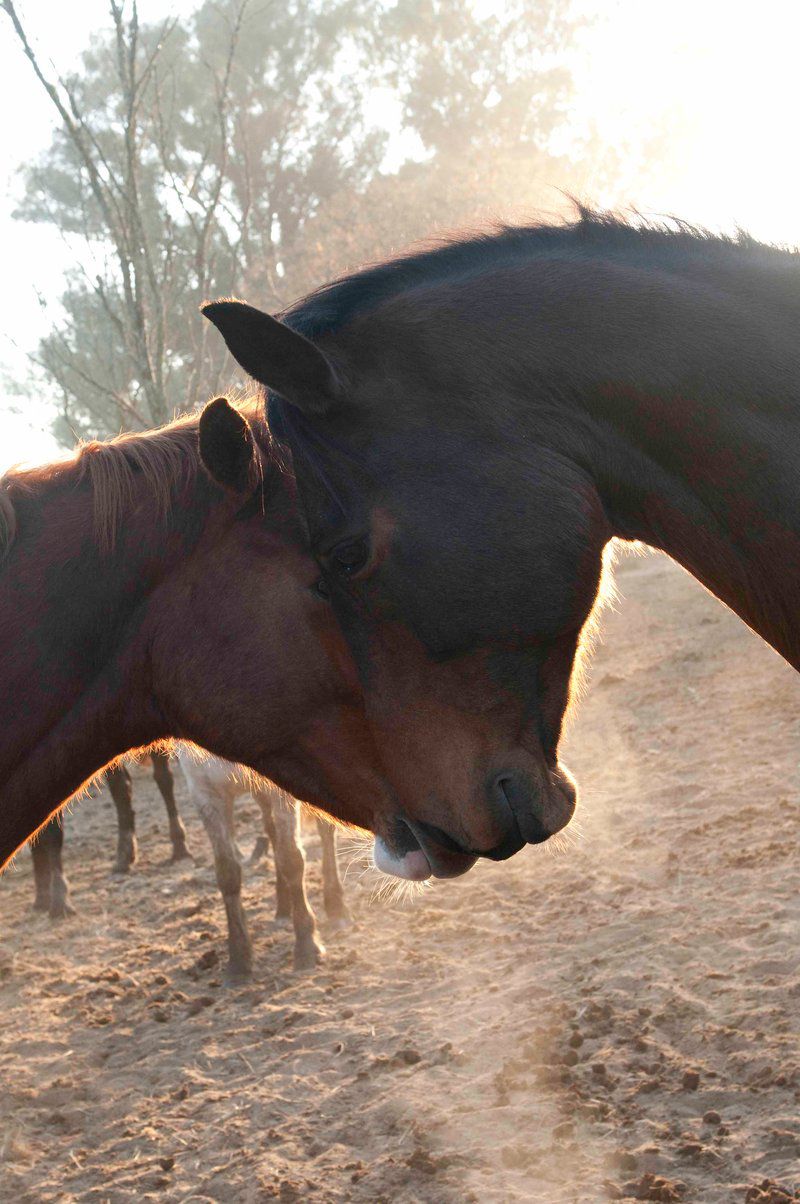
x=52 y=888
x=120 y=784
x=470 y=426
x=143 y=598
x=214 y=786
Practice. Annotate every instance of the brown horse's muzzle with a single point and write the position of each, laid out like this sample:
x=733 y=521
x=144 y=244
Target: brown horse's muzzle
x=520 y=811
x=540 y=807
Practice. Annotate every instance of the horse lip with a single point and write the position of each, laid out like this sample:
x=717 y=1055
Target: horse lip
x=412 y=865
x=446 y=861
x=507 y=848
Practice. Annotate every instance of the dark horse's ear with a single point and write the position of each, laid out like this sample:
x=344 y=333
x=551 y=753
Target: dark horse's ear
x=227 y=448
x=275 y=355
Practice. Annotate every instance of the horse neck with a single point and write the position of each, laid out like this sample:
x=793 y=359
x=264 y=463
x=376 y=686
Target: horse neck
x=715 y=486
x=73 y=643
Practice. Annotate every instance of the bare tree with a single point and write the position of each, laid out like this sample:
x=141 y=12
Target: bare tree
x=142 y=172
x=239 y=152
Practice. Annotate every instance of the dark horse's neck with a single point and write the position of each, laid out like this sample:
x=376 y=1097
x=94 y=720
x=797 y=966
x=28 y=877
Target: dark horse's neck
x=73 y=638
x=683 y=403
x=723 y=501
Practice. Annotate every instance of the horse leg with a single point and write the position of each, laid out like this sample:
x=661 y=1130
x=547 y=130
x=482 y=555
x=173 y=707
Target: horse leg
x=230 y=820
x=336 y=909
x=263 y=842
x=166 y=784
x=119 y=783
x=40 y=852
x=290 y=861
x=212 y=808
x=60 y=905
x=283 y=898
x=260 y=850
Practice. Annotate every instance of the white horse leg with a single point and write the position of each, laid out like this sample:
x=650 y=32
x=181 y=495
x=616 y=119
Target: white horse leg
x=211 y=804
x=291 y=863
x=335 y=907
x=264 y=796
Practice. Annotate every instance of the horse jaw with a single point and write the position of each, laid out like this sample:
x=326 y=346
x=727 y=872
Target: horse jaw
x=413 y=866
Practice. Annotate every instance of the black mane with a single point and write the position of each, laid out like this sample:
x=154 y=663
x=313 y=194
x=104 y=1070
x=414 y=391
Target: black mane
x=332 y=306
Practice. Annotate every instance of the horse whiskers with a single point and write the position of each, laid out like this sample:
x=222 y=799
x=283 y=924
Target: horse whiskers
x=397 y=890
x=563 y=842
x=359 y=854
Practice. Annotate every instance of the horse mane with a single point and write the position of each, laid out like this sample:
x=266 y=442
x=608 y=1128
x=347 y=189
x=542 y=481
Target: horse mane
x=167 y=458
x=333 y=305
x=8 y=521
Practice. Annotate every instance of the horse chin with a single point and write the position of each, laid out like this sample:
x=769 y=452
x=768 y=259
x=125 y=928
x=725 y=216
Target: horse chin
x=412 y=866
x=427 y=860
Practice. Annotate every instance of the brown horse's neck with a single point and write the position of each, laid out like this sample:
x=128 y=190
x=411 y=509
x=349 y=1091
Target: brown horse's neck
x=74 y=626
x=104 y=722
x=717 y=487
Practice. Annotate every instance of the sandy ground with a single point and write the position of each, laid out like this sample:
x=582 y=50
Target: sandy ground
x=616 y=1020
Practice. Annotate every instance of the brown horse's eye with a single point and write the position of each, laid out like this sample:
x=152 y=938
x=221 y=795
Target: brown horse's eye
x=348 y=558
x=320 y=588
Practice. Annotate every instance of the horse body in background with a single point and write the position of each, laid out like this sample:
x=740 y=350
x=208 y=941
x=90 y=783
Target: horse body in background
x=143 y=598
x=214 y=785
x=469 y=428
x=52 y=888
x=120 y=785
x=49 y=880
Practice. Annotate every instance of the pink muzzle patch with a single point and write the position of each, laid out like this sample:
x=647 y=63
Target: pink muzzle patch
x=413 y=866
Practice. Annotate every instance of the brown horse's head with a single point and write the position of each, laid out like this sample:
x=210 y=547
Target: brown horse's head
x=192 y=611
x=461 y=558
x=248 y=660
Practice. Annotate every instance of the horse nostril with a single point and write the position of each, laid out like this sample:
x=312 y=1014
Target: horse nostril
x=515 y=795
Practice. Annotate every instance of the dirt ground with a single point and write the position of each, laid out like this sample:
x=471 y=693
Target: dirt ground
x=618 y=1019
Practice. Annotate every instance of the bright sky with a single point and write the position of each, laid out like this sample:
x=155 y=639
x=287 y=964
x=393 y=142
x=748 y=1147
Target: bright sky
x=714 y=83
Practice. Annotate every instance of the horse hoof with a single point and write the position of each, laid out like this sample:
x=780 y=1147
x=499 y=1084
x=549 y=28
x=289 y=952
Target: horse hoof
x=41 y=904
x=181 y=854
x=237 y=976
x=339 y=923
x=62 y=912
x=308 y=957
x=120 y=868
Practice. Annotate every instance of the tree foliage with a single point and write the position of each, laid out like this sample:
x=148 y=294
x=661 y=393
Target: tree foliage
x=244 y=151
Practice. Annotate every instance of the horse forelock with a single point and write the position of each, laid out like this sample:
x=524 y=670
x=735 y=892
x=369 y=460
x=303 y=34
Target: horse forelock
x=293 y=430
x=166 y=459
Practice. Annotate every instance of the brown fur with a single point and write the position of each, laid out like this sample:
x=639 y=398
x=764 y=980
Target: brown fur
x=139 y=602
x=166 y=458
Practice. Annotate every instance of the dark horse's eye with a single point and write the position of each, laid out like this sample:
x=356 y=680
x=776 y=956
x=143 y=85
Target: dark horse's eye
x=348 y=558
x=320 y=588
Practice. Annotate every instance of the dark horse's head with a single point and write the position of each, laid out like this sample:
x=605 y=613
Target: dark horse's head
x=462 y=558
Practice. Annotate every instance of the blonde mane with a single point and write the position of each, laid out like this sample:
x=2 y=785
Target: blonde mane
x=167 y=458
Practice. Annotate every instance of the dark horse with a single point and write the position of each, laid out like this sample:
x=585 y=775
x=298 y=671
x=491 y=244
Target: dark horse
x=52 y=890
x=470 y=426
x=142 y=598
x=120 y=785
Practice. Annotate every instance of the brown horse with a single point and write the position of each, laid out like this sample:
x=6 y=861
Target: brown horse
x=143 y=598
x=471 y=425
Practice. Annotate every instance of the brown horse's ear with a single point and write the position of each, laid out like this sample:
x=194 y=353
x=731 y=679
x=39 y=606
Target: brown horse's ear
x=227 y=448
x=275 y=355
